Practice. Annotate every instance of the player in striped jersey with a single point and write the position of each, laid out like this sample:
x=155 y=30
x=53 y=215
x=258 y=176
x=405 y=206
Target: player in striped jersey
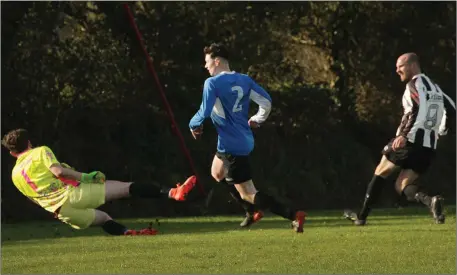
x=427 y=111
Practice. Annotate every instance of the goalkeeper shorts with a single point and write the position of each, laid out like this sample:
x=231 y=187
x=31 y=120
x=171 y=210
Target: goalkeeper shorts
x=79 y=209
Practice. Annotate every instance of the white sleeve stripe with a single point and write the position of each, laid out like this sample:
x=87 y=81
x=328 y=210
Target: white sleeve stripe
x=258 y=98
x=264 y=107
x=218 y=109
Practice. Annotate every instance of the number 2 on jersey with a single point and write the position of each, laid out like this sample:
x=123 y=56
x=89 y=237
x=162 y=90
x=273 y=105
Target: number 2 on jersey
x=237 y=106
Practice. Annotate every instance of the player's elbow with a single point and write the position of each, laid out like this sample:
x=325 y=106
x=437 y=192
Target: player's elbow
x=267 y=106
x=218 y=175
x=263 y=114
x=57 y=170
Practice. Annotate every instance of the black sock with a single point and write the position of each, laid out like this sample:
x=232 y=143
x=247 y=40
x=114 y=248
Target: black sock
x=265 y=201
x=114 y=228
x=411 y=193
x=247 y=206
x=374 y=189
x=143 y=190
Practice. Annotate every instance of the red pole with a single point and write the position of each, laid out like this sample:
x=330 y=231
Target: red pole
x=162 y=94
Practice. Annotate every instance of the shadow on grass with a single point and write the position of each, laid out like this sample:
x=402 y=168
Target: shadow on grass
x=52 y=230
x=203 y=225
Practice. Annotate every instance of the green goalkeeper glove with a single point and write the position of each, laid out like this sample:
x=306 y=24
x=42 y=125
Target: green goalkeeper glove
x=93 y=177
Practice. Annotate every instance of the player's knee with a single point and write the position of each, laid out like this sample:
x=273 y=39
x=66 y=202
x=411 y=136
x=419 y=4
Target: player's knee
x=410 y=192
x=116 y=190
x=383 y=171
x=384 y=168
x=100 y=217
x=218 y=175
x=400 y=185
x=247 y=197
x=405 y=179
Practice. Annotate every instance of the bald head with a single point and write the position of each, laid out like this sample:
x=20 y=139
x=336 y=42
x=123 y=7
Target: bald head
x=409 y=58
x=408 y=66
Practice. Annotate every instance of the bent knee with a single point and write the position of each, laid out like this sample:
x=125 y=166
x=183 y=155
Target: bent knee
x=218 y=176
x=385 y=167
x=247 y=197
x=383 y=171
x=100 y=217
x=403 y=180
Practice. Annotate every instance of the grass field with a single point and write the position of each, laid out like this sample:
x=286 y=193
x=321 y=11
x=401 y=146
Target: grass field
x=395 y=241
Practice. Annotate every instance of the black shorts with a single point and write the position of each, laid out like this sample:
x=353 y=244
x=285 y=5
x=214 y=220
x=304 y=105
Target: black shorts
x=238 y=167
x=414 y=157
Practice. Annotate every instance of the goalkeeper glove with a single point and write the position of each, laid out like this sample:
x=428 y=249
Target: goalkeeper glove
x=93 y=177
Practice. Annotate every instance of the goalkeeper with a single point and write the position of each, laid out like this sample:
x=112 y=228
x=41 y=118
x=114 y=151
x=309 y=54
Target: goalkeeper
x=73 y=196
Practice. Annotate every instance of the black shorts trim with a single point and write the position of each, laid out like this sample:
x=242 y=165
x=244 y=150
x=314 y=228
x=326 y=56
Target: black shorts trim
x=412 y=156
x=238 y=167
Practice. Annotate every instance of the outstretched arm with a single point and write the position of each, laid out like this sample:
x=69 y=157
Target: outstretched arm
x=62 y=172
x=65 y=173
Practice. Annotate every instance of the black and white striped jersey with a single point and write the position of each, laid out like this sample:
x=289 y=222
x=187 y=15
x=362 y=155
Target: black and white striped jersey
x=426 y=112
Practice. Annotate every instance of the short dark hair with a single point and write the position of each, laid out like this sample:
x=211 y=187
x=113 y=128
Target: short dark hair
x=217 y=50
x=16 y=141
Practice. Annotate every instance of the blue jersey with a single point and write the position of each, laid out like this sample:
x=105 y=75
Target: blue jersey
x=226 y=99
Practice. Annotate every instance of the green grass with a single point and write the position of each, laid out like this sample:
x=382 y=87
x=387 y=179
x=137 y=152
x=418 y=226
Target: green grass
x=395 y=241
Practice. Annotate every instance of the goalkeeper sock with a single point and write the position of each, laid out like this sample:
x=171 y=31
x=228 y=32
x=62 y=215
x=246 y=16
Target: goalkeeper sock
x=142 y=190
x=282 y=210
x=247 y=206
x=374 y=189
x=114 y=228
x=264 y=201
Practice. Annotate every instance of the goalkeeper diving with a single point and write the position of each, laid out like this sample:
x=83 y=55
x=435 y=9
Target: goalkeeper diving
x=73 y=196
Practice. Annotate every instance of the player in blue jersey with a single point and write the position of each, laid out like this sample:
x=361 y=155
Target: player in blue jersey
x=226 y=98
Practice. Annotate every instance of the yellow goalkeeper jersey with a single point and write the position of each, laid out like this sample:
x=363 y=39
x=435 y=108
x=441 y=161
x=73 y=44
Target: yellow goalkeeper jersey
x=31 y=175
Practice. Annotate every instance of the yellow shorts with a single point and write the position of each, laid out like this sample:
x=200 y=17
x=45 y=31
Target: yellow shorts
x=79 y=209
